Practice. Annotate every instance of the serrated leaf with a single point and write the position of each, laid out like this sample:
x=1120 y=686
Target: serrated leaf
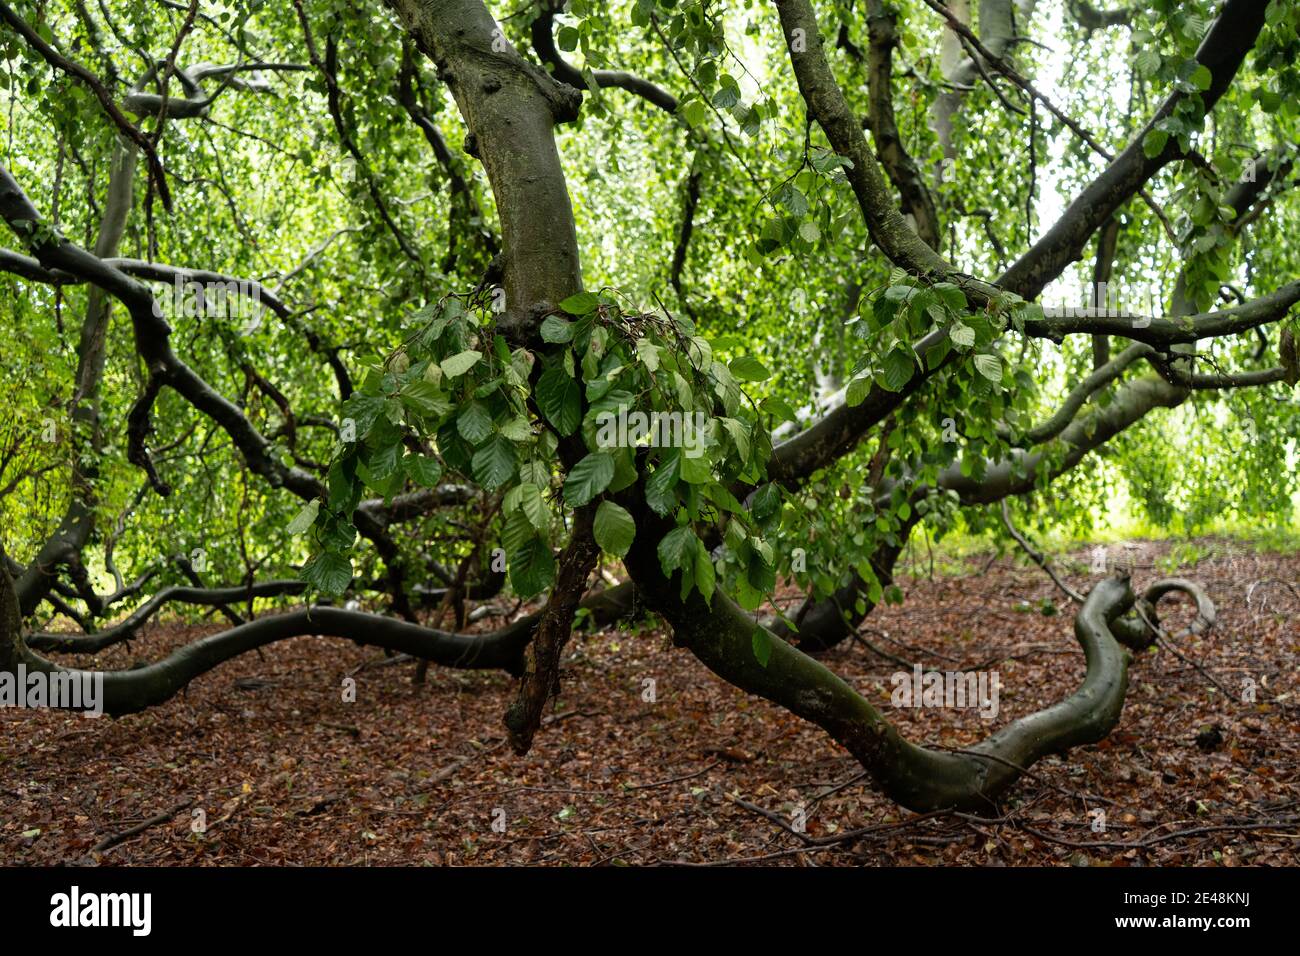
x=532 y=566
x=560 y=398
x=588 y=478
x=494 y=463
x=897 y=370
x=962 y=335
x=676 y=549
x=659 y=486
x=990 y=366
x=423 y=470
x=474 y=423
x=425 y=398
x=329 y=571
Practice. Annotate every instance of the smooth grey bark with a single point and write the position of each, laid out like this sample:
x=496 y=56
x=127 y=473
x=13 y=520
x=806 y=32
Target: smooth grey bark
x=510 y=107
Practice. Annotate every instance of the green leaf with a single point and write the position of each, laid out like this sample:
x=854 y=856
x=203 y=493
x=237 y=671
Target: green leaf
x=648 y=353
x=560 y=398
x=990 y=366
x=857 y=390
x=962 y=335
x=556 y=330
x=659 y=486
x=460 y=363
x=567 y=38
x=527 y=499
x=384 y=461
x=425 y=398
x=614 y=529
x=580 y=304
x=305 y=518
x=898 y=369
x=532 y=567
x=474 y=423
x=588 y=478
x=766 y=502
x=748 y=369
x=762 y=646
x=694 y=112
x=779 y=409
x=677 y=549
x=705 y=575
x=329 y=571
x=494 y=463
x=1154 y=143
x=423 y=470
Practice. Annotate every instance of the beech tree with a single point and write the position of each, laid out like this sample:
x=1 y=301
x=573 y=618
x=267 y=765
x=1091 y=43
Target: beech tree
x=340 y=319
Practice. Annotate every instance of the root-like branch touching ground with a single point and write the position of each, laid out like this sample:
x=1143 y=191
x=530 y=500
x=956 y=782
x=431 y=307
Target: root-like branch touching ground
x=727 y=640
x=126 y=692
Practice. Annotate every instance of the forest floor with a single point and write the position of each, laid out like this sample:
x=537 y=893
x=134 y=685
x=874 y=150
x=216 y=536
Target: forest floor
x=280 y=770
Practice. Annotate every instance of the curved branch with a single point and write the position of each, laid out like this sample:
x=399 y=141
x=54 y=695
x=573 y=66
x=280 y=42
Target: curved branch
x=127 y=628
x=725 y=639
x=125 y=126
x=1226 y=43
x=544 y=43
x=1038 y=557
x=1164 y=332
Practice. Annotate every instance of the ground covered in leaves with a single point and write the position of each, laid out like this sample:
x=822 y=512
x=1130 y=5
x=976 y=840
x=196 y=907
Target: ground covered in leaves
x=649 y=759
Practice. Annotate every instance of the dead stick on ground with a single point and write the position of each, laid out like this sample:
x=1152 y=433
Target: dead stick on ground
x=109 y=842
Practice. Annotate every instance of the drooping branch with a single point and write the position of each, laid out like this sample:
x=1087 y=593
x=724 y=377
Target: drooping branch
x=542 y=658
x=197 y=104
x=826 y=103
x=328 y=68
x=1226 y=43
x=152 y=340
x=77 y=524
x=1079 y=395
x=124 y=125
x=543 y=39
x=1037 y=556
x=690 y=203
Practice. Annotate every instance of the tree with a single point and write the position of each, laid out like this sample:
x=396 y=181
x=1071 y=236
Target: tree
x=469 y=381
